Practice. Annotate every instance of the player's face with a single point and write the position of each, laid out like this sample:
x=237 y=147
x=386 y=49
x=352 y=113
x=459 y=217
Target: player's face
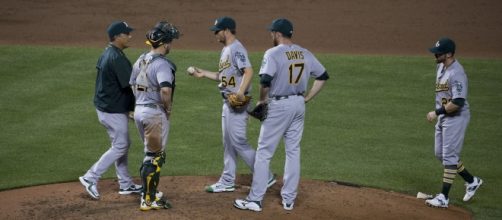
x=123 y=39
x=168 y=47
x=220 y=36
x=440 y=58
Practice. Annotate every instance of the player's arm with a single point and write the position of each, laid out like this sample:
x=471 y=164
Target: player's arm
x=265 y=81
x=317 y=86
x=246 y=81
x=201 y=73
x=449 y=108
x=166 y=99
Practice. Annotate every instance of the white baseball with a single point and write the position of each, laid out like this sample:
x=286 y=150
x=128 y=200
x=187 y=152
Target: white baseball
x=191 y=70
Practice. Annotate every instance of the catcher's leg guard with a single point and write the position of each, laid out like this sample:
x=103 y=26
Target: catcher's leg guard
x=150 y=175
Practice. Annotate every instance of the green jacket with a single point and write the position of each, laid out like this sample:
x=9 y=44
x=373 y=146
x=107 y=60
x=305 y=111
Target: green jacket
x=113 y=93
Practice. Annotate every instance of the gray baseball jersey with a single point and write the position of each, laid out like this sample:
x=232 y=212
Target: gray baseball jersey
x=291 y=66
x=233 y=60
x=159 y=70
x=451 y=83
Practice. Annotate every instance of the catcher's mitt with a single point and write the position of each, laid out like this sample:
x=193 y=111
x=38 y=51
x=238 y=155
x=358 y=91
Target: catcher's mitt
x=237 y=104
x=259 y=112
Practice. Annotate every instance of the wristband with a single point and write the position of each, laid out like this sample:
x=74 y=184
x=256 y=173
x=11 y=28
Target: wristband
x=440 y=111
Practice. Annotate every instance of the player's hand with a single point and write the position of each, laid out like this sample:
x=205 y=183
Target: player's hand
x=240 y=96
x=431 y=116
x=195 y=72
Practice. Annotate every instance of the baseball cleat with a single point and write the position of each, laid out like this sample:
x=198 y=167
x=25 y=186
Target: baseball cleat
x=271 y=181
x=155 y=205
x=439 y=201
x=90 y=187
x=247 y=205
x=219 y=187
x=134 y=188
x=470 y=189
x=288 y=206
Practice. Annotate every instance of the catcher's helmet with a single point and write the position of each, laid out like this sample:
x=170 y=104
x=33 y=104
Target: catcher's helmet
x=162 y=33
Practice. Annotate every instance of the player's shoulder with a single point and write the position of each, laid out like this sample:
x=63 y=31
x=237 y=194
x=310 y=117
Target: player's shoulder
x=457 y=68
x=300 y=48
x=237 y=46
x=167 y=62
x=274 y=50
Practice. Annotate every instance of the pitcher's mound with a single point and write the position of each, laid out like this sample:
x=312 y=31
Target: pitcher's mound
x=316 y=200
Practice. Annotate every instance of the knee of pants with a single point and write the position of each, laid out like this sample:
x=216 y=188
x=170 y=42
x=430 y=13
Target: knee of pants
x=121 y=147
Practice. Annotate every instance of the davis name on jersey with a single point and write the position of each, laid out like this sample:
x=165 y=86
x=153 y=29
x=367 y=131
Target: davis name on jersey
x=294 y=55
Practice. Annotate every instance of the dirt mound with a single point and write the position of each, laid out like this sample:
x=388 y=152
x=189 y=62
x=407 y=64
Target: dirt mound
x=316 y=200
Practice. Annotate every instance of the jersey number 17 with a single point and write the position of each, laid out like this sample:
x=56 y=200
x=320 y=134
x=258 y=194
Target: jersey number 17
x=295 y=72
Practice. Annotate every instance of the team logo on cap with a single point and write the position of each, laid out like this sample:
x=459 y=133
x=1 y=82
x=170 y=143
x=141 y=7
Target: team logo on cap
x=125 y=24
x=437 y=44
x=216 y=22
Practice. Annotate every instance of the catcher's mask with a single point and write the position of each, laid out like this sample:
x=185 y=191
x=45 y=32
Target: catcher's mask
x=162 y=33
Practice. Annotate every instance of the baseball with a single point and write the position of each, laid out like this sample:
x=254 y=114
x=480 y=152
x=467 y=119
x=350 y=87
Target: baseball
x=191 y=70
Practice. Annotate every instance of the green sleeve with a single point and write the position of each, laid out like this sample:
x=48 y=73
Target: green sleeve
x=122 y=68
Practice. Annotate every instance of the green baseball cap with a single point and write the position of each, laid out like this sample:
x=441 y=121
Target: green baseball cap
x=283 y=26
x=118 y=27
x=442 y=46
x=223 y=23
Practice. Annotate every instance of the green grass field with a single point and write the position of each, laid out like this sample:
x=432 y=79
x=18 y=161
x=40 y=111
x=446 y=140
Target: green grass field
x=367 y=126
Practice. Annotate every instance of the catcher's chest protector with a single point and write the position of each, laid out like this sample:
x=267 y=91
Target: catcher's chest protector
x=142 y=79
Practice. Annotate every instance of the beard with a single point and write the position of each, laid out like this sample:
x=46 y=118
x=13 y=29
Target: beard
x=274 y=40
x=222 y=40
x=440 y=58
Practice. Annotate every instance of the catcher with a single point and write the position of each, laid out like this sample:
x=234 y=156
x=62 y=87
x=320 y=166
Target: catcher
x=234 y=75
x=153 y=83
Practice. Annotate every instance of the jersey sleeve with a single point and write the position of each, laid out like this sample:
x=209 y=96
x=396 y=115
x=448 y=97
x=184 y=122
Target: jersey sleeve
x=122 y=68
x=268 y=65
x=165 y=73
x=458 y=85
x=317 y=68
x=241 y=59
x=134 y=73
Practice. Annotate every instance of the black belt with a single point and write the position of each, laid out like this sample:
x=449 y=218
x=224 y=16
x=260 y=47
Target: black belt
x=279 y=97
x=149 y=105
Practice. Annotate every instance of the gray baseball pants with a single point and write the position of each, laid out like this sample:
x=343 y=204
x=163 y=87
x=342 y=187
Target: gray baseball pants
x=118 y=131
x=285 y=120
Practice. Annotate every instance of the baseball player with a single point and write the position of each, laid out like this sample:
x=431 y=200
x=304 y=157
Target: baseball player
x=153 y=83
x=113 y=100
x=284 y=74
x=234 y=75
x=452 y=114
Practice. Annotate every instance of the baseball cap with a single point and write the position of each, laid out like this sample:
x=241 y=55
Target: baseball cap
x=118 y=27
x=223 y=23
x=283 y=26
x=442 y=46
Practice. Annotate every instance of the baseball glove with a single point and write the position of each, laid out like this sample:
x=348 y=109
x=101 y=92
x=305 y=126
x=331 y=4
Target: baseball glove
x=259 y=112
x=237 y=104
